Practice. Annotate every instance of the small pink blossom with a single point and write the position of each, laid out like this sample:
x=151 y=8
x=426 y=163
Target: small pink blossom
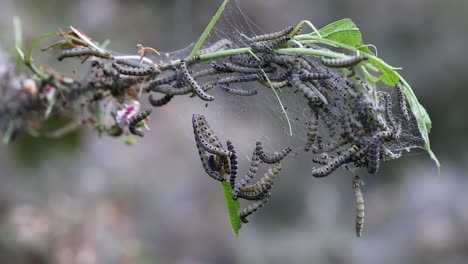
x=127 y=112
x=49 y=92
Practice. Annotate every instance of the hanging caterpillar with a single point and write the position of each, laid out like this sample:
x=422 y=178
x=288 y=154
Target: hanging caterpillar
x=252 y=208
x=360 y=213
x=334 y=163
x=207 y=131
x=137 y=119
x=204 y=160
x=312 y=133
x=234 y=164
x=375 y=147
x=159 y=102
x=263 y=183
x=203 y=141
x=216 y=166
x=270 y=159
x=255 y=161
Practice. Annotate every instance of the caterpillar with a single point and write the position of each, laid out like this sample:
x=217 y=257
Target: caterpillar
x=199 y=137
x=234 y=164
x=252 y=196
x=326 y=114
x=303 y=63
x=402 y=101
x=195 y=86
x=243 y=69
x=254 y=162
x=258 y=194
x=375 y=147
x=219 y=45
x=331 y=146
x=279 y=77
x=270 y=159
x=204 y=160
x=137 y=119
x=334 y=163
x=240 y=92
x=83 y=51
x=275 y=85
x=312 y=133
x=216 y=166
x=305 y=89
x=319 y=94
x=207 y=131
x=264 y=182
x=357 y=158
x=388 y=110
x=283 y=60
x=269 y=46
x=307 y=76
x=373 y=155
x=240 y=78
x=159 y=102
x=274 y=35
x=252 y=208
x=344 y=62
x=323 y=159
x=204 y=72
x=247 y=61
x=131 y=63
x=162 y=81
x=169 y=90
x=360 y=213
x=133 y=71
x=220 y=68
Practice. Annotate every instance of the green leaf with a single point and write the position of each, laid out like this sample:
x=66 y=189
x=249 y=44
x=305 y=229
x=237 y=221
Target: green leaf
x=388 y=75
x=344 y=31
x=232 y=207
x=422 y=119
x=208 y=29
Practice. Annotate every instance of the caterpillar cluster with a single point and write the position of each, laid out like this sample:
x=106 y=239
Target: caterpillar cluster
x=350 y=124
x=363 y=125
x=221 y=164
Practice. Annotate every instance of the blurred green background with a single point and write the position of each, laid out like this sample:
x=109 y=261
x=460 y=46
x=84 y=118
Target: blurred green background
x=85 y=199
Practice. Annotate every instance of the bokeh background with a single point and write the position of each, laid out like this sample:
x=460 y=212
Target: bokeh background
x=85 y=199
